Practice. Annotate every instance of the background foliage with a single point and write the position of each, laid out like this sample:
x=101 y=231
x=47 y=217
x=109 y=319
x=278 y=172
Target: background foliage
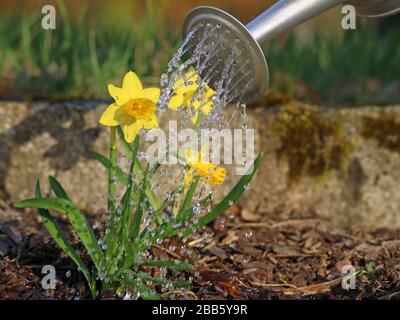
x=97 y=43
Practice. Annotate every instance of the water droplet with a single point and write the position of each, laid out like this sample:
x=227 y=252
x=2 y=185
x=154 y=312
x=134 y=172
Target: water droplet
x=95 y=225
x=248 y=234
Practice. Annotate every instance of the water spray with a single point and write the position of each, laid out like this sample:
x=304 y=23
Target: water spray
x=232 y=45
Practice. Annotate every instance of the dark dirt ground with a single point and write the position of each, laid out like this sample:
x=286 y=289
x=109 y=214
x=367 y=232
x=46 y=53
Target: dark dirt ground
x=279 y=255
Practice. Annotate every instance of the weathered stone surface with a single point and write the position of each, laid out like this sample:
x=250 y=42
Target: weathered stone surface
x=37 y=140
x=361 y=188
x=343 y=164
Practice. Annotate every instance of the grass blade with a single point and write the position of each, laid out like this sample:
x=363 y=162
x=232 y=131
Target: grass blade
x=163 y=281
x=170 y=264
x=77 y=219
x=139 y=171
x=145 y=291
x=126 y=206
x=137 y=219
x=157 y=216
x=189 y=195
x=58 y=189
x=112 y=188
x=121 y=175
x=59 y=237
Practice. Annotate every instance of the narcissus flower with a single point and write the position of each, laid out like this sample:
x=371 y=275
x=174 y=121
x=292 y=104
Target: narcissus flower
x=185 y=89
x=213 y=174
x=134 y=107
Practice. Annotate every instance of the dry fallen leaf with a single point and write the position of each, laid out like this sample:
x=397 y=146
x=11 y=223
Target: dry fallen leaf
x=341 y=264
x=249 y=216
x=218 y=252
x=230 y=238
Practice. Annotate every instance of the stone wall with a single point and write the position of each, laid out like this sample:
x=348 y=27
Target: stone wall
x=343 y=164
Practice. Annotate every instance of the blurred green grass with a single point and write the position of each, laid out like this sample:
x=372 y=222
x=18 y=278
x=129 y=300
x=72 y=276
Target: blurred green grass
x=360 y=67
x=76 y=60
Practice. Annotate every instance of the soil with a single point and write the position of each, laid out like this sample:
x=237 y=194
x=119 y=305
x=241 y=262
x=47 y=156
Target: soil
x=263 y=256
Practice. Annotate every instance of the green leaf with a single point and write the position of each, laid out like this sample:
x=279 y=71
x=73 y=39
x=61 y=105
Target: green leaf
x=137 y=219
x=157 y=216
x=170 y=229
x=139 y=171
x=163 y=281
x=189 y=195
x=121 y=175
x=59 y=237
x=112 y=188
x=57 y=188
x=140 y=287
x=146 y=292
x=170 y=264
x=77 y=219
x=126 y=203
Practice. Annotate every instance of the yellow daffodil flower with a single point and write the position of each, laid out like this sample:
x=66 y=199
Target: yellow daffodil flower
x=213 y=174
x=185 y=91
x=134 y=107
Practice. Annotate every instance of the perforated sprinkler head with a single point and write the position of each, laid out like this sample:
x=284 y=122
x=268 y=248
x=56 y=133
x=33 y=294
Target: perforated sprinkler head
x=246 y=41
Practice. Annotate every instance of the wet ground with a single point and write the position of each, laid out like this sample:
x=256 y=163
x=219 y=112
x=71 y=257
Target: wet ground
x=277 y=255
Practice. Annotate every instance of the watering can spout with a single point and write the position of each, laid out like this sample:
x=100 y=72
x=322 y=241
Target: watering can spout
x=281 y=17
x=286 y=14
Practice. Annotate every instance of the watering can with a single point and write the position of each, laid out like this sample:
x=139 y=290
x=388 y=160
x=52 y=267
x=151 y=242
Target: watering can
x=282 y=16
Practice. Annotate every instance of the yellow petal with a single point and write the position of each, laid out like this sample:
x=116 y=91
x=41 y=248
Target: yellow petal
x=150 y=123
x=188 y=180
x=178 y=83
x=181 y=86
x=122 y=117
x=132 y=85
x=176 y=102
x=190 y=76
x=181 y=90
x=118 y=94
x=206 y=108
x=209 y=92
x=217 y=177
x=131 y=131
x=188 y=99
x=188 y=153
x=108 y=118
x=195 y=117
x=152 y=94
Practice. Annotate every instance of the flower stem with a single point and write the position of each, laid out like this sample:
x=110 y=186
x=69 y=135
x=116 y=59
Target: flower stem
x=112 y=187
x=139 y=172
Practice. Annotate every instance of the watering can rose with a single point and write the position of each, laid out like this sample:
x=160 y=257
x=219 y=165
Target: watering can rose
x=134 y=107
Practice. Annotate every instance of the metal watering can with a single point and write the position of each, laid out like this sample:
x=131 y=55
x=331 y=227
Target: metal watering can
x=282 y=16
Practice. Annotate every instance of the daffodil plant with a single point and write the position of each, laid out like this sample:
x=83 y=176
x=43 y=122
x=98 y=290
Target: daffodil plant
x=120 y=256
